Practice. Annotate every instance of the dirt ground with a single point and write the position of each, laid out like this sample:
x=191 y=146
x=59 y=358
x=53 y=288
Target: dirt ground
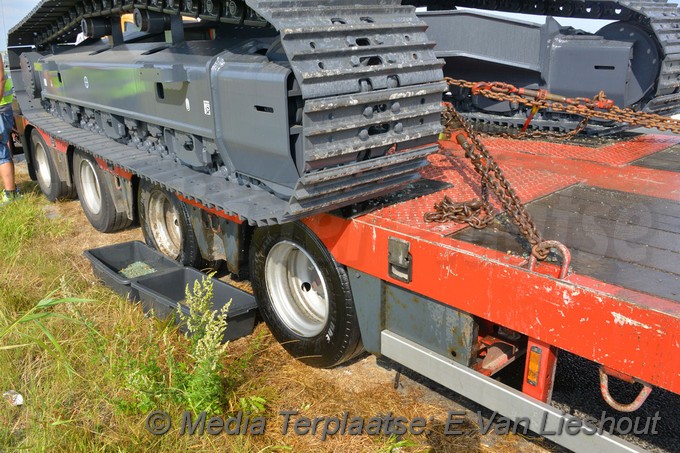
x=366 y=387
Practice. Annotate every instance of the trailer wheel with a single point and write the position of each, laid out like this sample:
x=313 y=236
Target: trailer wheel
x=304 y=295
x=46 y=170
x=95 y=197
x=166 y=225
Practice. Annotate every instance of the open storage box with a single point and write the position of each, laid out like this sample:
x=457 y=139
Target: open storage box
x=164 y=292
x=109 y=261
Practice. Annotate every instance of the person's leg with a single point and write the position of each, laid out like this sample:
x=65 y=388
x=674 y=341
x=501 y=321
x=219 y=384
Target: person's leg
x=7 y=175
x=6 y=164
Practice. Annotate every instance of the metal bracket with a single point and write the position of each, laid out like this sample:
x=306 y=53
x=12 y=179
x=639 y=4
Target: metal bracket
x=176 y=32
x=116 y=31
x=399 y=260
x=630 y=407
x=566 y=258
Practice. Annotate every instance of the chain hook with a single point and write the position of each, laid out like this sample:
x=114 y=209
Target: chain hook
x=601 y=101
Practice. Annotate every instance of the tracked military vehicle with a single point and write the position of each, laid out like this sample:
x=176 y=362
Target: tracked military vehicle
x=294 y=107
x=257 y=115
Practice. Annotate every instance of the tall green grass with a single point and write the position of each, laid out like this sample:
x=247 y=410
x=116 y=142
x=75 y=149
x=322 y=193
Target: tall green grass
x=30 y=265
x=21 y=221
x=89 y=372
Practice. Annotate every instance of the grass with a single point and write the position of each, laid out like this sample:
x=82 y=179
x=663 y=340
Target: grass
x=90 y=372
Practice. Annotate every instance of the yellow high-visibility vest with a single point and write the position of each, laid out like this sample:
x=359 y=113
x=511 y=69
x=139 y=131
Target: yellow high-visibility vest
x=9 y=92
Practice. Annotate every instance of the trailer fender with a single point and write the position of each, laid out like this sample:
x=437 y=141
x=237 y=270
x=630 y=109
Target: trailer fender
x=28 y=155
x=51 y=166
x=119 y=184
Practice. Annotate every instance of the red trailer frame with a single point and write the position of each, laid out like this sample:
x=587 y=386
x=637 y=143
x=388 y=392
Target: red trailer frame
x=625 y=330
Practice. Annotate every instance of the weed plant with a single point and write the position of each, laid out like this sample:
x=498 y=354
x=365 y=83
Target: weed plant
x=188 y=374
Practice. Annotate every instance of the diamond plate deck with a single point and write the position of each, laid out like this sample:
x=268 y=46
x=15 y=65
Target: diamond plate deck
x=458 y=172
x=618 y=154
x=620 y=220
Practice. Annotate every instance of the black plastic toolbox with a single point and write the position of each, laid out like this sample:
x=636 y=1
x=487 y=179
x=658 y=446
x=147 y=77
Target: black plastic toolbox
x=107 y=262
x=162 y=293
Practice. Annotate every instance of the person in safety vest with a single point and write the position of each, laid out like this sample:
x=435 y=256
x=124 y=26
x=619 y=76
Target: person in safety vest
x=10 y=191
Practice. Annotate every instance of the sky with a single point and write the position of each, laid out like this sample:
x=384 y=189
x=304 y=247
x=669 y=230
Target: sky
x=12 y=11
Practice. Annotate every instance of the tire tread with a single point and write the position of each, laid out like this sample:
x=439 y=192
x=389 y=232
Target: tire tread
x=345 y=341
x=110 y=219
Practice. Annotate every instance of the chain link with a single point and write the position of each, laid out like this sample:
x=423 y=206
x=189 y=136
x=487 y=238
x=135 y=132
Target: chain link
x=535 y=134
x=597 y=107
x=479 y=213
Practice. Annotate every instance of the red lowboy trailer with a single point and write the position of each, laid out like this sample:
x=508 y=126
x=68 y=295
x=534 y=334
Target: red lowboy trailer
x=290 y=140
x=616 y=207
x=457 y=304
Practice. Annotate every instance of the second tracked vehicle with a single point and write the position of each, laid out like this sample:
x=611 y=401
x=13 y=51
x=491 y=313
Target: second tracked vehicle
x=633 y=57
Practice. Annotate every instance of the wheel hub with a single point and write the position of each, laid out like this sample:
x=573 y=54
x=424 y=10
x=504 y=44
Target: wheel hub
x=297 y=289
x=164 y=224
x=44 y=174
x=90 y=183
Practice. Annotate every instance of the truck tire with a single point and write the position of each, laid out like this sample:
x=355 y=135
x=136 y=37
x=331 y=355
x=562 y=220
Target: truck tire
x=166 y=225
x=304 y=295
x=95 y=197
x=46 y=170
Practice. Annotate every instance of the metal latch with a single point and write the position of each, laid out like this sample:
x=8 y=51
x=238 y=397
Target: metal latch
x=399 y=259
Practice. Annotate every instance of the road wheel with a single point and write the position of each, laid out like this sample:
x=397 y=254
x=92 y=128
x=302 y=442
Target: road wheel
x=304 y=295
x=166 y=225
x=46 y=170
x=95 y=197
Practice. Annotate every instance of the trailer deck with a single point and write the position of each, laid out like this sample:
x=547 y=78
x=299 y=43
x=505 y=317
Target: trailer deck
x=615 y=206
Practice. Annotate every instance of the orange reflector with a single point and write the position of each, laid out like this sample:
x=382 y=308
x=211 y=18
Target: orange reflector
x=534 y=365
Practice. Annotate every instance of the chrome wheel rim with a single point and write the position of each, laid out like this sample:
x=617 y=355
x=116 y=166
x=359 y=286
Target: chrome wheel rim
x=91 y=192
x=164 y=224
x=43 y=173
x=297 y=289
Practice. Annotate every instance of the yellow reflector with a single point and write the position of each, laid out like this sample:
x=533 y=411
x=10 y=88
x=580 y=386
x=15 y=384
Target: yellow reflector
x=534 y=365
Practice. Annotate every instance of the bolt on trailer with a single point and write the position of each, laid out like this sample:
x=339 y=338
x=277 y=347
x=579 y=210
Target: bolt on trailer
x=297 y=142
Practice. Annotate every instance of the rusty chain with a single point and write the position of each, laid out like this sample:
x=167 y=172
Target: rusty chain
x=580 y=127
x=479 y=213
x=597 y=107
